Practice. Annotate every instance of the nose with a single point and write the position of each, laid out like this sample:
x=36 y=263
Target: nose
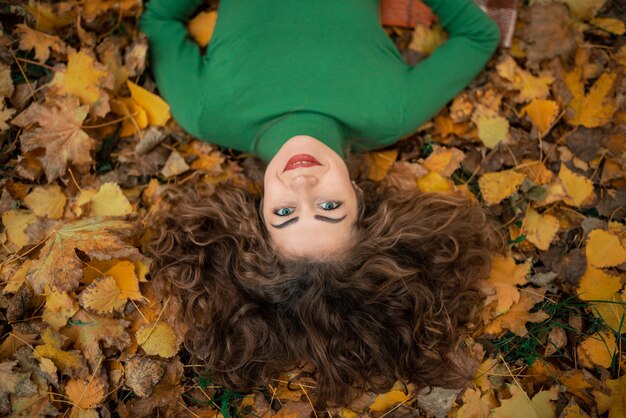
x=303 y=182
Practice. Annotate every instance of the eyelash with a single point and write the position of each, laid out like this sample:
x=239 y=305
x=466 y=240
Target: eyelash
x=327 y=210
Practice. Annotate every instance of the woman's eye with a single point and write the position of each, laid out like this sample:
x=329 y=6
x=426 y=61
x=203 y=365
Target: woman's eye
x=284 y=211
x=330 y=205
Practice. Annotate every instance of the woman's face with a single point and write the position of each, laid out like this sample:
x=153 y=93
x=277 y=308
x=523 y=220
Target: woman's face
x=309 y=204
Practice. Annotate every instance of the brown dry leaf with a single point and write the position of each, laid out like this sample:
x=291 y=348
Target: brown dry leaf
x=142 y=375
x=573 y=410
x=174 y=165
x=542 y=113
x=9 y=380
x=604 y=249
x=520 y=405
x=475 y=405
x=59 y=308
x=58 y=265
x=540 y=229
x=504 y=278
x=15 y=223
x=615 y=403
x=86 y=394
x=157 y=109
x=557 y=339
x=110 y=201
x=599 y=348
x=29 y=406
x=579 y=189
x=157 y=339
x=47 y=201
x=596 y=108
x=515 y=318
x=70 y=363
x=41 y=42
x=201 y=27
x=5 y=114
x=497 y=186
x=380 y=162
x=529 y=86
x=88 y=332
x=58 y=132
x=444 y=161
x=84 y=78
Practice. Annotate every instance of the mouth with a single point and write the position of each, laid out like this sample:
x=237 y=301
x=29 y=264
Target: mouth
x=301 y=161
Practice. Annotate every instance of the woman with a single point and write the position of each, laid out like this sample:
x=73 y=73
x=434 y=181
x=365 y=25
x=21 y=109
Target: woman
x=366 y=286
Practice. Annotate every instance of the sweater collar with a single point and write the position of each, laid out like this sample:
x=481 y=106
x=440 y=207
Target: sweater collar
x=276 y=132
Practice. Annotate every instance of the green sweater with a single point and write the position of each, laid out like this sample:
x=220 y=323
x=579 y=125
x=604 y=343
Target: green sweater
x=275 y=69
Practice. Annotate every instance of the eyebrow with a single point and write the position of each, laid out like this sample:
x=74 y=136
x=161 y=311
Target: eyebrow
x=318 y=217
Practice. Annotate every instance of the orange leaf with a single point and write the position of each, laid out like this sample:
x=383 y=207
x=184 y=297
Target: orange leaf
x=578 y=188
x=604 y=249
x=496 y=187
x=444 y=161
x=157 y=109
x=595 y=284
x=504 y=277
x=615 y=403
x=515 y=319
x=380 y=162
x=599 y=348
x=201 y=27
x=540 y=229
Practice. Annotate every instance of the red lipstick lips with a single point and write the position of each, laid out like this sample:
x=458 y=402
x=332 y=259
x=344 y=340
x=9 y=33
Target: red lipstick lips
x=301 y=161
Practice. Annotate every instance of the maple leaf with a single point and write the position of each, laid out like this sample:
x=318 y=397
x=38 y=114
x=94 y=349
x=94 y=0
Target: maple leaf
x=604 y=249
x=496 y=187
x=541 y=113
x=59 y=308
x=505 y=275
x=530 y=87
x=15 y=223
x=84 y=78
x=46 y=201
x=615 y=403
x=521 y=405
x=88 y=332
x=540 y=229
x=59 y=266
x=70 y=363
x=41 y=42
x=515 y=319
x=157 y=339
x=475 y=405
x=86 y=394
x=58 y=132
x=596 y=108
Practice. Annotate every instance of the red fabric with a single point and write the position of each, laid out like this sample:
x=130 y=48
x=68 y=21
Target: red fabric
x=405 y=13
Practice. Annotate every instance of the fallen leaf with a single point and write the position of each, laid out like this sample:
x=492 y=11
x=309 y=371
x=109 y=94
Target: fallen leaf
x=157 y=109
x=86 y=394
x=103 y=296
x=434 y=182
x=540 y=229
x=201 y=27
x=84 y=78
x=475 y=405
x=380 y=162
x=612 y=312
x=59 y=308
x=529 y=86
x=596 y=108
x=142 y=375
x=426 y=39
x=504 y=278
x=595 y=284
x=599 y=348
x=16 y=222
x=609 y=24
x=46 y=201
x=444 y=161
x=58 y=132
x=521 y=405
x=515 y=319
x=492 y=128
x=174 y=165
x=157 y=339
x=110 y=201
x=41 y=42
x=542 y=113
x=578 y=188
x=70 y=363
x=584 y=9
x=604 y=249
x=385 y=401
x=615 y=403
x=497 y=186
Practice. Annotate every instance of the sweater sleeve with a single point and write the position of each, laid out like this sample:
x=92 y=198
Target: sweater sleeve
x=177 y=63
x=472 y=38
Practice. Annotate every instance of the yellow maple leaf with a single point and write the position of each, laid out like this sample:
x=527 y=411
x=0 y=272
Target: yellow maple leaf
x=615 y=403
x=70 y=363
x=504 y=277
x=496 y=187
x=201 y=27
x=599 y=348
x=515 y=319
x=434 y=182
x=41 y=42
x=110 y=201
x=492 y=128
x=84 y=78
x=579 y=189
x=157 y=339
x=595 y=284
x=86 y=394
x=540 y=229
x=46 y=18
x=444 y=161
x=481 y=376
x=475 y=405
x=15 y=223
x=385 y=401
x=58 y=132
x=59 y=308
x=521 y=405
x=594 y=109
x=531 y=87
x=380 y=162
x=103 y=296
x=609 y=24
x=157 y=109
x=59 y=267
x=604 y=249
x=46 y=201
x=15 y=282
x=542 y=113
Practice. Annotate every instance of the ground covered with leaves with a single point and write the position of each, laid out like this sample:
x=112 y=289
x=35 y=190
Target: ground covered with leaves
x=86 y=147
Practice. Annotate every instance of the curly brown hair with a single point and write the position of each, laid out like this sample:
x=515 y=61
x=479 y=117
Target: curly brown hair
x=393 y=309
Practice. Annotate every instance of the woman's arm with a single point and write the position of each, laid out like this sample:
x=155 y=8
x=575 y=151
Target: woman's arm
x=177 y=63
x=472 y=38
